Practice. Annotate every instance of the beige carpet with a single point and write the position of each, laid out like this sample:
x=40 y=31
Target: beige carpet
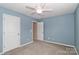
x=42 y=48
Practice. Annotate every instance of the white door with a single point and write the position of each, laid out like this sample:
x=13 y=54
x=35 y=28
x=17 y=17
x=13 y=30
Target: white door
x=40 y=31
x=11 y=32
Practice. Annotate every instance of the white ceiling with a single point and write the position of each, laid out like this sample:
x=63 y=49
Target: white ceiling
x=57 y=8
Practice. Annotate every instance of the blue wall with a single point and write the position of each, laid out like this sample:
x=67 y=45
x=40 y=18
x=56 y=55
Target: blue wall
x=77 y=28
x=59 y=29
x=1 y=30
x=26 y=26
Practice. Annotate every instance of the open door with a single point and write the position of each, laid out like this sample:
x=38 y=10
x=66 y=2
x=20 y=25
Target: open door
x=34 y=25
x=38 y=31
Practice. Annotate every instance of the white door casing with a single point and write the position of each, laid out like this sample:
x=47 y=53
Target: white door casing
x=11 y=32
x=40 y=29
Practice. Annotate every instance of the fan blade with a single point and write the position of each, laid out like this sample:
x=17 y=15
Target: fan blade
x=30 y=8
x=47 y=10
x=43 y=6
x=32 y=13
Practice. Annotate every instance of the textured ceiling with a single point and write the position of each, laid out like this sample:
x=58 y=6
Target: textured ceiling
x=57 y=9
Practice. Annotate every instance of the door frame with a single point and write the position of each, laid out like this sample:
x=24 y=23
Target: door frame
x=4 y=33
x=32 y=30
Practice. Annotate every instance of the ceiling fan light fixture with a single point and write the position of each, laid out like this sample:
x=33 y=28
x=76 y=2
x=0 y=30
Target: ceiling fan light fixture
x=39 y=11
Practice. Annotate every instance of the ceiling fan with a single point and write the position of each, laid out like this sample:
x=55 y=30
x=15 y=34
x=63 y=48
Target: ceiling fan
x=39 y=9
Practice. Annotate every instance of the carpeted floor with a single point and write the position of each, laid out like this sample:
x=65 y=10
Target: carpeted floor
x=42 y=48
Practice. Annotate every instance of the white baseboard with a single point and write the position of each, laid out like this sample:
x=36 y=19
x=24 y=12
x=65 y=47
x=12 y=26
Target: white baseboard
x=26 y=44
x=19 y=46
x=49 y=42
x=1 y=53
x=76 y=50
x=64 y=45
x=59 y=43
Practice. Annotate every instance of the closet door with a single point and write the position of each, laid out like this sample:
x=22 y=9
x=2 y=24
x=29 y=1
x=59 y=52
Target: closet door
x=40 y=29
x=11 y=32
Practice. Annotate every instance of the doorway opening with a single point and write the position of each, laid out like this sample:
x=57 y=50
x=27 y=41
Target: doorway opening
x=37 y=31
x=34 y=30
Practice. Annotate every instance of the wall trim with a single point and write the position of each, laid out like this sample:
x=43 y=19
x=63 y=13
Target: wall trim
x=26 y=44
x=1 y=53
x=48 y=42
x=76 y=50
x=64 y=45
x=59 y=43
x=19 y=46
